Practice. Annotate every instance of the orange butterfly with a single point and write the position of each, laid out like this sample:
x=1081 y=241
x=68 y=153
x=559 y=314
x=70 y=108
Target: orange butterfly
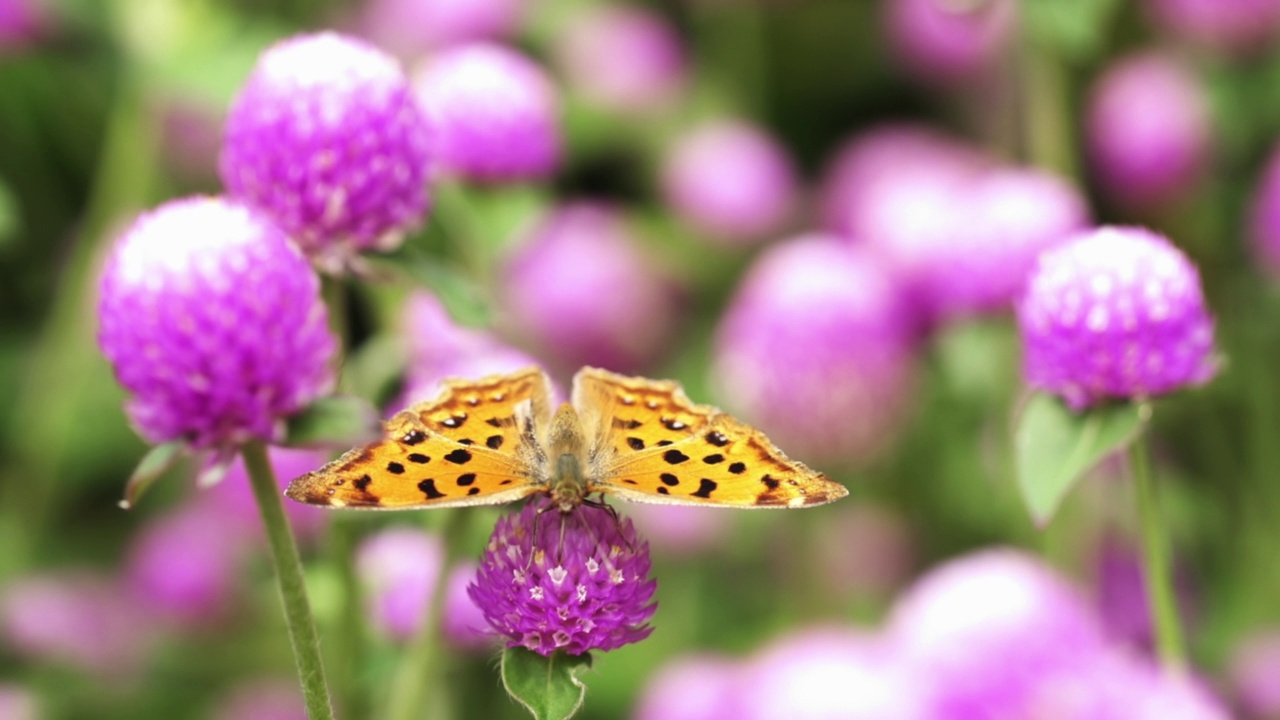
x=495 y=440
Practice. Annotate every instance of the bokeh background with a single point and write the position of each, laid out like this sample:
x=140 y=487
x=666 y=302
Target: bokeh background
x=814 y=213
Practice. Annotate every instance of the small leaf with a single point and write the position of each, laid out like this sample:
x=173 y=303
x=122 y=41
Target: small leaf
x=1055 y=447
x=337 y=421
x=549 y=687
x=151 y=468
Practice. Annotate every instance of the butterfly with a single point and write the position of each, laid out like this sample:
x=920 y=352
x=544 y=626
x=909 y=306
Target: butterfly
x=496 y=440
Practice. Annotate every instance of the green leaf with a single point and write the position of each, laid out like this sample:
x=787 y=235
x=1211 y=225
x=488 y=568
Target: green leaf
x=1054 y=447
x=549 y=687
x=340 y=420
x=151 y=468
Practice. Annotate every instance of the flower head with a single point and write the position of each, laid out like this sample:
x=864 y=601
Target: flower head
x=213 y=322
x=816 y=349
x=692 y=687
x=327 y=139
x=623 y=58
x=730 y=181
x=1148 y=130
x=945 y=41
x=573 y=581
x=494 y=113
x=1232 y=26
x=1115 y=312
x=400 y=567
x=409 y=27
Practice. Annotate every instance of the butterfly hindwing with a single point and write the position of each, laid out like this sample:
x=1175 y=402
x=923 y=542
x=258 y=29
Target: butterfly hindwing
x=463 y=448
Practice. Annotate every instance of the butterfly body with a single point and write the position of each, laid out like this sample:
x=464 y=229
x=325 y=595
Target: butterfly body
x=495 y=440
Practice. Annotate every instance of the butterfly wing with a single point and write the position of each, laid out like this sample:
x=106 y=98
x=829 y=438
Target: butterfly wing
x=654 y=445
x=473 y=444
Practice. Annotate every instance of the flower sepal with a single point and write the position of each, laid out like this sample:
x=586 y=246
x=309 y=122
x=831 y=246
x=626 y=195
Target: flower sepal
x=548 y=686
x=1054 y=446
x=158 y=461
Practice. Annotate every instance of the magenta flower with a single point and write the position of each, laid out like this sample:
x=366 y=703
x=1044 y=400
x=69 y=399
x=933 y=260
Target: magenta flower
x=731 y=181
x=949 y=41
x=692 y=687
x=682 y=530
x=1115 y=313
x=464 y=624
x=1121 y=596
x=816 y=350
x=580 y=291
x=1148 y=131
x=1232 y=26
x=1253 y=669
x=989 y=633
x=327 y=139
x=22 y=22
x=212 y=320
x=623 y=58
x=575 y=582
x=1264 y=217
x=400 y=568
x=410 y=27
x=494 y=113
x=232 y=498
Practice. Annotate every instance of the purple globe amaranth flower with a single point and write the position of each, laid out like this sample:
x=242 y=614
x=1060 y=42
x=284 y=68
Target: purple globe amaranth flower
x=1264 y=217
x=263 y=700
x=1230 y=26
x=439 y=348
x=400 y=568
x=580 y=291
x=22 y=22
x=950 y=40
x=494 y=113
x=410 y=27
x=327 y=138
x=464 y=623
x=186 y=566
x=213 y=322
x=816 y=350
x=576 y=581
x=730 y=181
x=1253 y=670
x=692 y=687
x=832 y=672
x=682 y=530
x=18 y=703
x=1116 y=312
x=625 y=59
x=990 y=632
x=1148 y=131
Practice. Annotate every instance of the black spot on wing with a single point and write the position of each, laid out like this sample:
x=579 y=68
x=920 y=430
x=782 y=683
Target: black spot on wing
x=428 y=488
x=459 y=457
x=737 y=468
x=361 y=483
x=473 y=491
x=413 y=437
x=673 y=424
x=626 y=424
x=663 y=491
x=669 y=479
x=466 y=479
x=494 y=442
x=770 y=482
x=395 y=467
x=635 y=443
x=713 y=459
x=419 y=458
x=715 y=437
x=674 y=457
x=455 y=421
x=705 y=488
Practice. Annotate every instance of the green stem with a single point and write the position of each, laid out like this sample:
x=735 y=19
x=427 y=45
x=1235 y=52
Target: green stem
x=1158 y=565
x=421 y=670
x=293 y=587
x=1047 y=136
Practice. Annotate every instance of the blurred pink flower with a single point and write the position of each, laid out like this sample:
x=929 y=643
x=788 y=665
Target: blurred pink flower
x=233 y=497
x=949 y=40
x=400 y=568
x=22 y=22
x=79 y=618
x=409 y=28
x=692 y=687
x=869 y=552
x=494 y=114
x=1149 y=132
x=990 y=631
x=263 y=700
x=677 y=530
x=580 y=291
x=622 y=58
x=1121 y=596
x=18 y=703
x=816 y=350
x=1231 y=26
x=464 y=624
x=1264 y=217
x=731 y=181
x=1254 y=674
x=828 y=673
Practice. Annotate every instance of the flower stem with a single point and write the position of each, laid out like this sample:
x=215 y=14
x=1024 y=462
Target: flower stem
x=421 y=668
x=293 y=589
x=1157 y=566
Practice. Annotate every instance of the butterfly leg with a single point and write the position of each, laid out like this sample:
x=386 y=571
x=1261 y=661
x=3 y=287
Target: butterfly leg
x=537 y=527
x=600 y=504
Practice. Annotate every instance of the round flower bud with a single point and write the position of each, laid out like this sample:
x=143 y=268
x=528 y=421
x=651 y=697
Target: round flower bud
x=816 y=350
x=580 y=291
x=941 y=40
x=212 y=320
x=823 y=673
x=410 y=27
x=576 y=581
x=1148 y=131
x=400 y=568
x=1115 y=312
x=623 y=58
x=327 y=139
x=494 y=114
x=730 y=181
x=693 y=687
x=989 y=630
x=1231 y=26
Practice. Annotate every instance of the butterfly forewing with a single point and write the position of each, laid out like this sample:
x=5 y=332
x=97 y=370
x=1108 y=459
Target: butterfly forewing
x=466 y=447
x=630 y=415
